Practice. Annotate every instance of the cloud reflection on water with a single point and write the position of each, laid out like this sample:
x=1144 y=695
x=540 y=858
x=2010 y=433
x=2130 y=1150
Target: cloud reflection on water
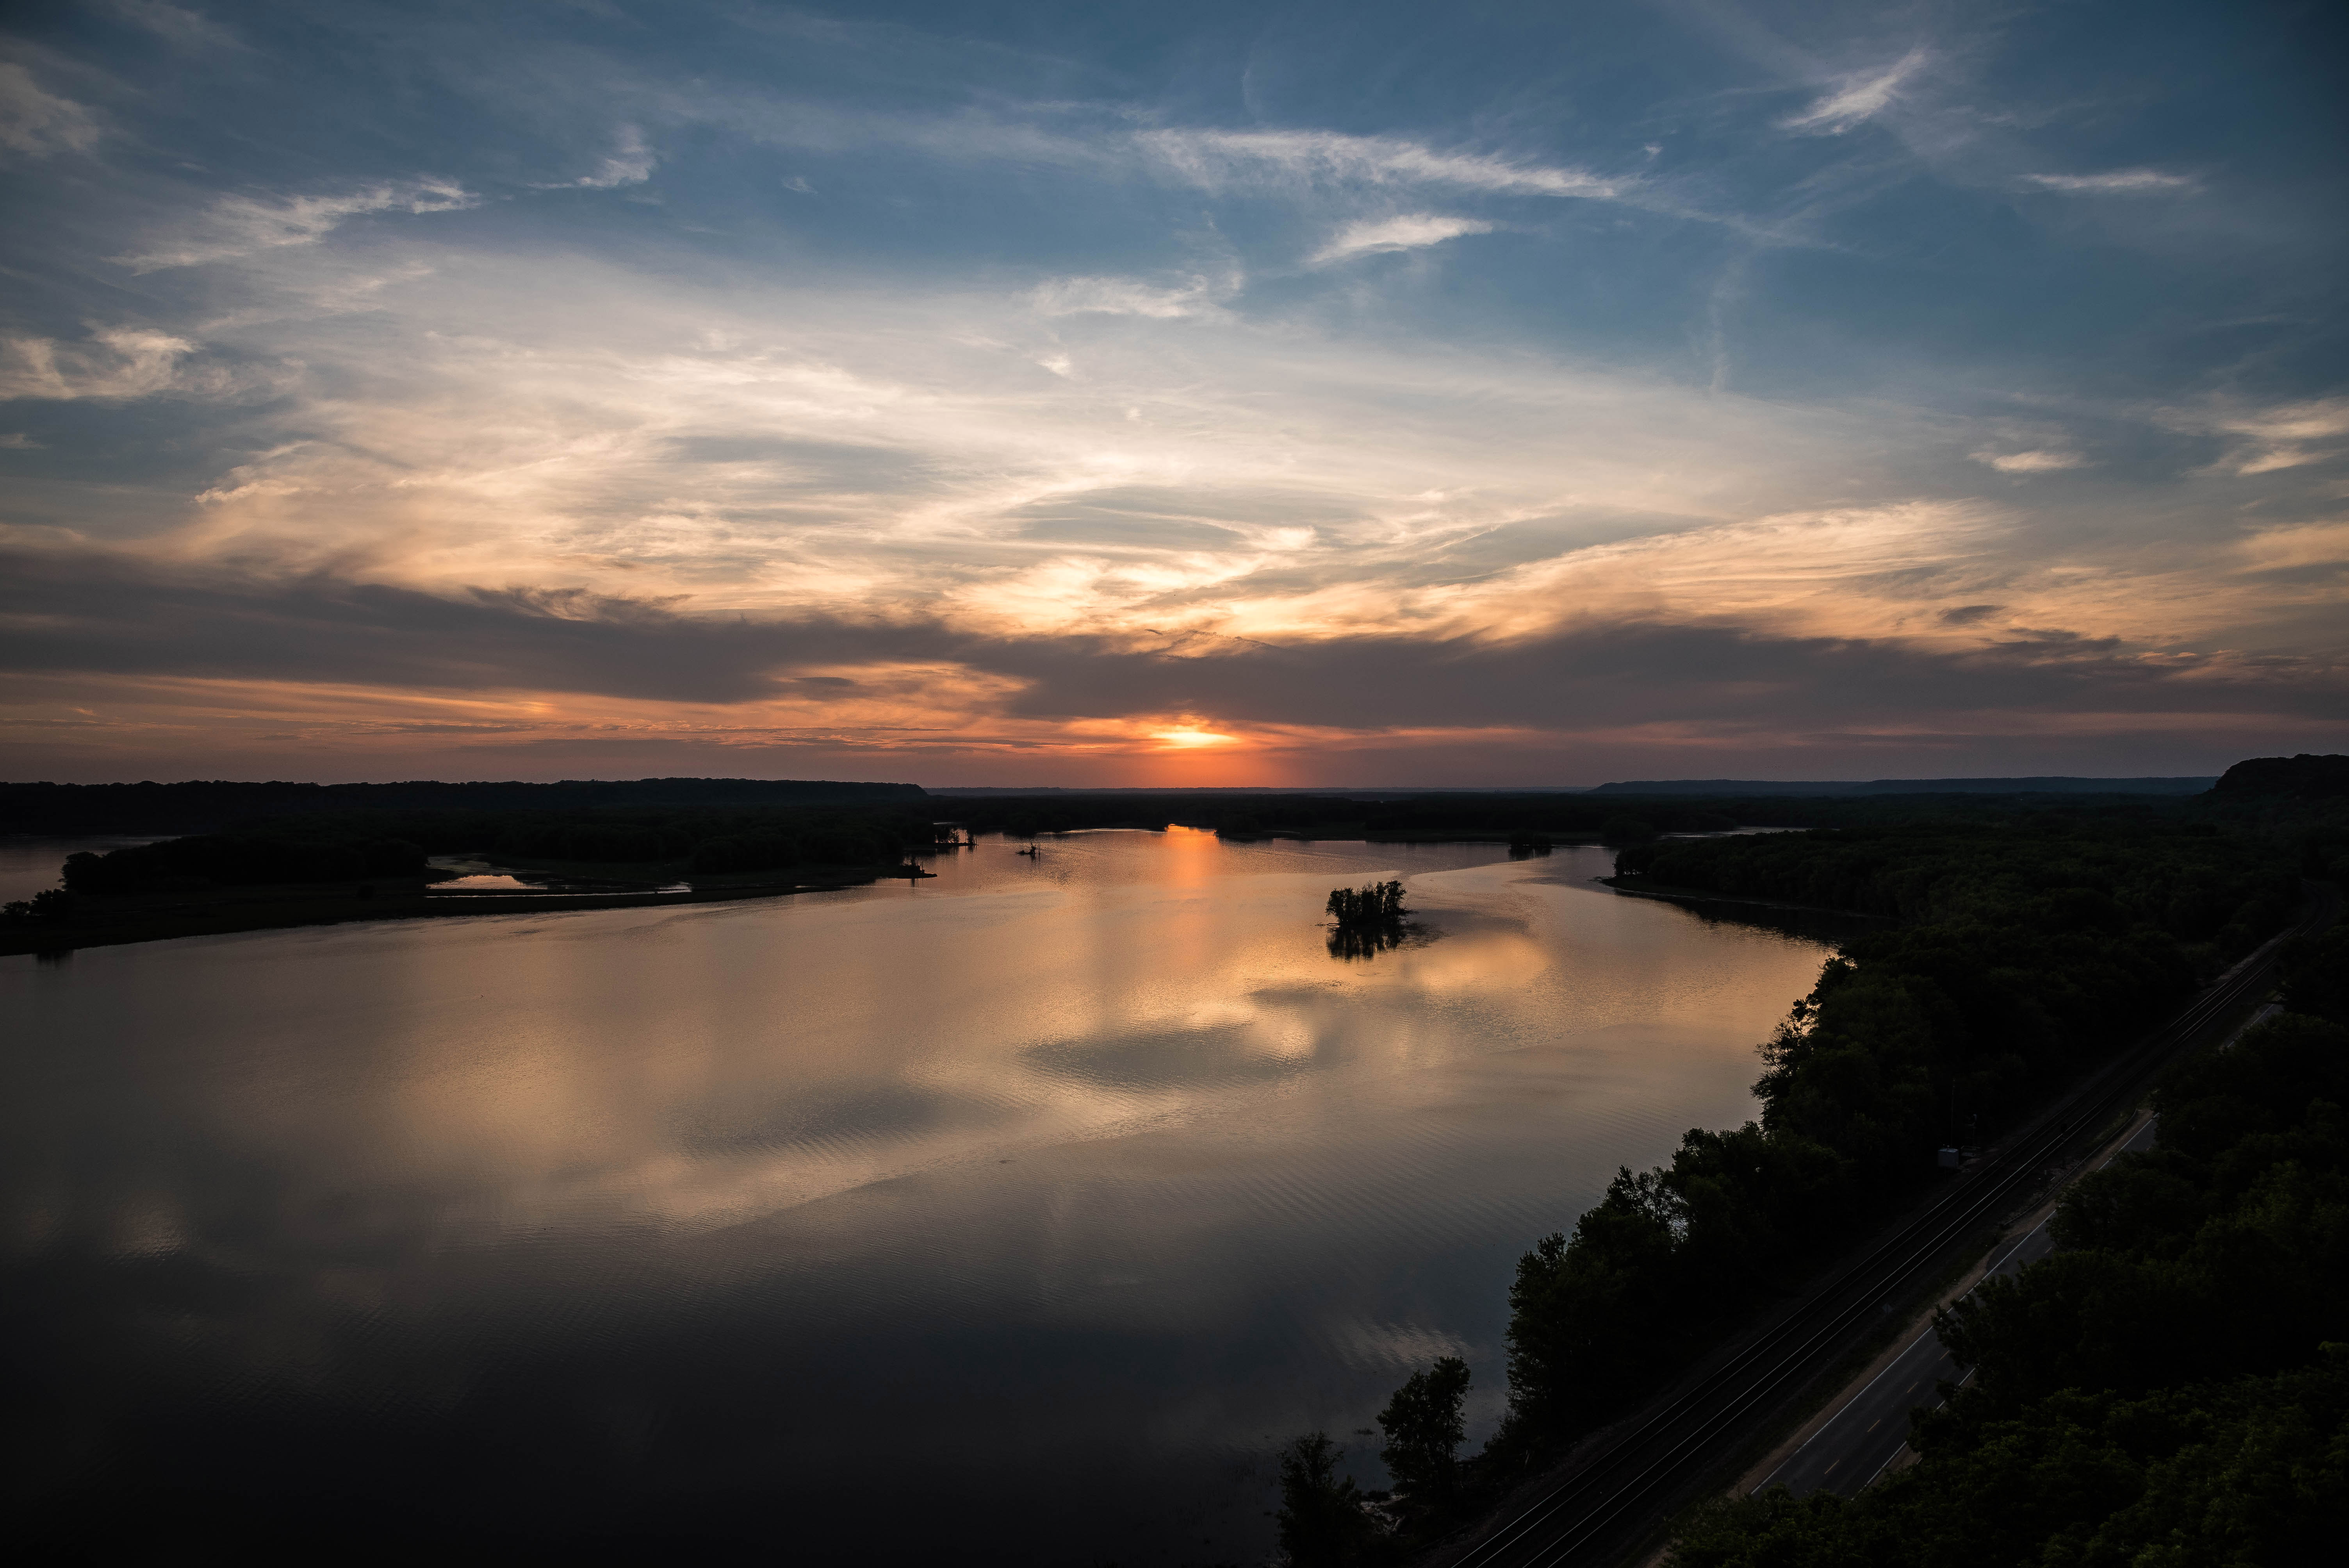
x=1054 y=1189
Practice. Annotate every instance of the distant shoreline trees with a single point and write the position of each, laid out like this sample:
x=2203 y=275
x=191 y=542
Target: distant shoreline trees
x=355 y=846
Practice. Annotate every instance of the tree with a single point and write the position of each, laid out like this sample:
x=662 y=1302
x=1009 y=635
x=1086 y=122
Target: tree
x=1425 y=1423
x=1321 y=1521
x=1373 y=903
x=52 y=907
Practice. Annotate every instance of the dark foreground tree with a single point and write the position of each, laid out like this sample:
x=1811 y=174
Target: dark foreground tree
x=1425 y=1424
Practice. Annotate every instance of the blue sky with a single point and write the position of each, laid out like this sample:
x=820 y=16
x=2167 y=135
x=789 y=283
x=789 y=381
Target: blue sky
x=1004 y=394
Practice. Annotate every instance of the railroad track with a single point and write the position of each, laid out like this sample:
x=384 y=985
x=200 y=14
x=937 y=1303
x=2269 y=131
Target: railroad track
x=1655 y=1464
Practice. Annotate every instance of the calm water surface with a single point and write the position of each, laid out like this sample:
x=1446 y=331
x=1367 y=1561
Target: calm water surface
x=1013 y=1216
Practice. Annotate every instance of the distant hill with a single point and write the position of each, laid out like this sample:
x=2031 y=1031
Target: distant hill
x=204 y=805
x=2304 y=775
x=2039 y=786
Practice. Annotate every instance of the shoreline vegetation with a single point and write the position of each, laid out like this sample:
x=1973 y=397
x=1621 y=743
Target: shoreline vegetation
x=2022 y=943
x=325 y=867
x=2171 y=1385
x=254 y=857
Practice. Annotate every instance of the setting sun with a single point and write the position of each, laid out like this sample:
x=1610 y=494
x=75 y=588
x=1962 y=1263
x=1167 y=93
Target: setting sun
x=1190 y=738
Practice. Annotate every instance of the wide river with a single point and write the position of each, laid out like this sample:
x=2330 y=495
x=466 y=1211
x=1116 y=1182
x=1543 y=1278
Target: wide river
x=1013 y=1216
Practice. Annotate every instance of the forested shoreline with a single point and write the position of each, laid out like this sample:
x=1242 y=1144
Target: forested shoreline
x=324 y=852
x=339 y=847
x=2026 y=946
x=2172 y=1385
x=318 y=868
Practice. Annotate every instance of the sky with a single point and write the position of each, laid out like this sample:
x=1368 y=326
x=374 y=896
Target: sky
x=1113 y=394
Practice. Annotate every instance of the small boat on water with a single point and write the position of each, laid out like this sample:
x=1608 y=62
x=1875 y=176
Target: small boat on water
x=1030 y=851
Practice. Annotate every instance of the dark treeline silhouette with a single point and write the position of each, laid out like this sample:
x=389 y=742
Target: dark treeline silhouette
x=2027 y=942
x=240 y=860
x=1244 y=817
x=50 y=907
x=343 y=847
x=1527 y=822
x=2171 y=1385
x=2044 y=784
x=2059 y=873
x=2305 y=778
x=213 y=805
x=216 y=805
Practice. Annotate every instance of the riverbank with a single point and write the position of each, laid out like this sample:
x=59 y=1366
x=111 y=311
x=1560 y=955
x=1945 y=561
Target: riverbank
x=1644 y=887
x=110 y=921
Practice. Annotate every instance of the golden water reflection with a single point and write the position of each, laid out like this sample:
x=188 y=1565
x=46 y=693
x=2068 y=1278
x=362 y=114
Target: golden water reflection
x=1105 y=1149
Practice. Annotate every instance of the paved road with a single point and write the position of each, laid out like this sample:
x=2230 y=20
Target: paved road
x=1856 y=1444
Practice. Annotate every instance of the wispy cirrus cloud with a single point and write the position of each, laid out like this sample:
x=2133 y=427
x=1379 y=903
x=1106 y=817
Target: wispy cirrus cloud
x=1128 y=297
x=631 y=163
x=240 y=225
x=2117 y=183
x=1217 y=157
x=115 y=362
x=2264 y=441
x=2040 y=461
x=1409 y=232
x=1099 y=139
x=1856 y=98
x=175 y=24
x=35 y=123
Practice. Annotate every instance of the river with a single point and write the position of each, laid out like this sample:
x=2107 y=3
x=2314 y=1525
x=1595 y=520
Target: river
x=1016 y=1216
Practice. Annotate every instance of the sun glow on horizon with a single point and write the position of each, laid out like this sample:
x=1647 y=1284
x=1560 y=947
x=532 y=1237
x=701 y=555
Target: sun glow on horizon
x=1189 y=737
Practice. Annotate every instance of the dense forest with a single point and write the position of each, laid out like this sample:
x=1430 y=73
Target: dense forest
x=290 y=834
x=2041 y=785
x=1244 y=817
x=2170 y=1387
x=2024 y=944
x=1530 y=817
x=341 y=847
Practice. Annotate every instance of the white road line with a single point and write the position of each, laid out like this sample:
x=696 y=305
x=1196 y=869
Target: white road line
x=1838 y=1416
